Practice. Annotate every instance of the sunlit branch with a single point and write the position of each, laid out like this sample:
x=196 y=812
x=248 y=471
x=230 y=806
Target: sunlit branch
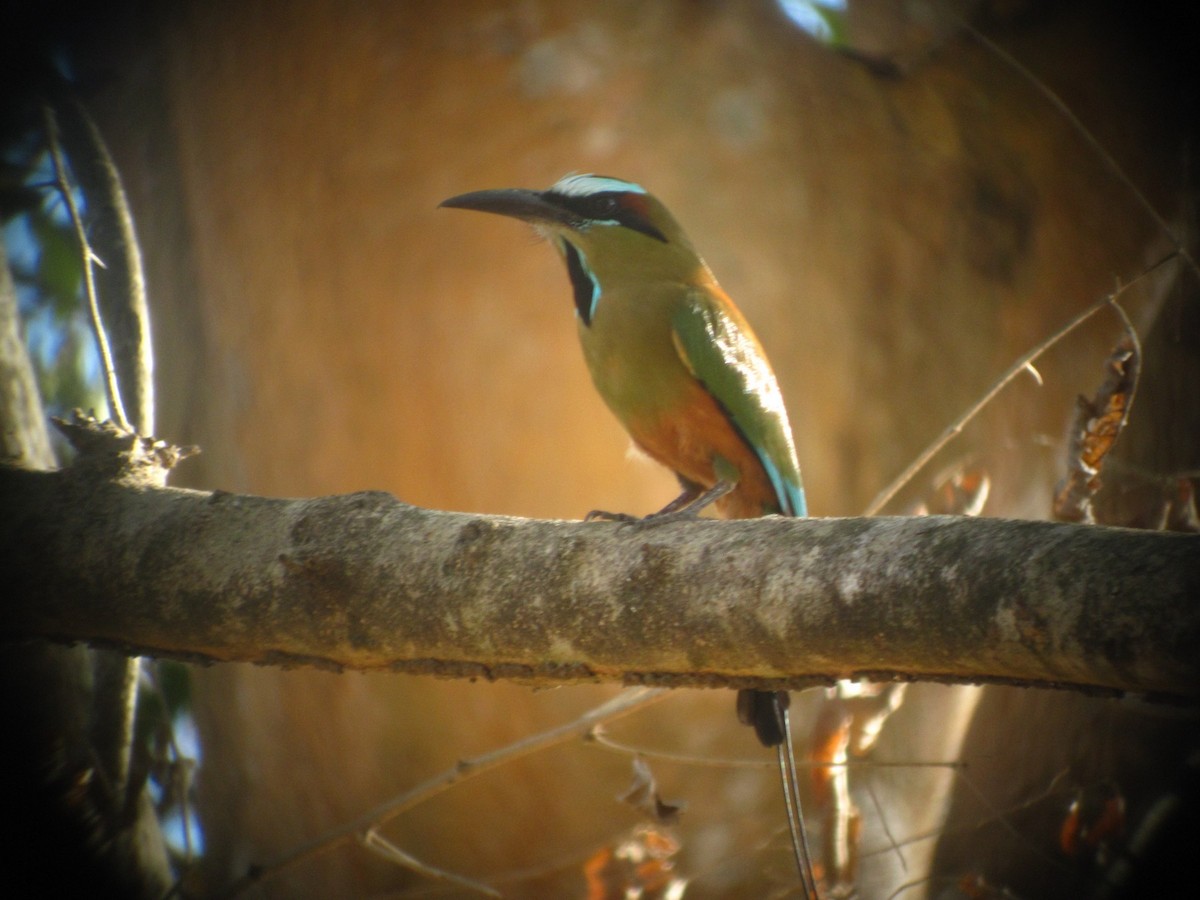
x=365 y=582
x=89 y=258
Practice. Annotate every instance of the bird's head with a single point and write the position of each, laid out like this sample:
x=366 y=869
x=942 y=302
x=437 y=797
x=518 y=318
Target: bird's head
x=608 y=231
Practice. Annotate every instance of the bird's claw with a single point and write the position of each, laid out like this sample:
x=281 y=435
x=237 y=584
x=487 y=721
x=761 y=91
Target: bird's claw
x=602 y=515
x=662 y=517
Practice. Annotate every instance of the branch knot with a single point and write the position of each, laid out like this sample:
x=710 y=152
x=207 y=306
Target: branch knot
x=119 y=453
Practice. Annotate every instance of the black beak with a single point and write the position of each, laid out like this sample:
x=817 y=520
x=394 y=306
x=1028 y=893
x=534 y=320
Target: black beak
x=529 y=206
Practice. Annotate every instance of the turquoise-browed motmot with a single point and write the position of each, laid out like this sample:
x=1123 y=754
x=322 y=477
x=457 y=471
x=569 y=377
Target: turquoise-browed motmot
x=678 y=364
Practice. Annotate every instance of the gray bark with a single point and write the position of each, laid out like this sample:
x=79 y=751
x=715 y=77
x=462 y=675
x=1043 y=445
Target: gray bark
x=363 y=581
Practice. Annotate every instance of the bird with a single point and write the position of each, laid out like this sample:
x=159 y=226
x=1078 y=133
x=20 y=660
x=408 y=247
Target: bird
x=676 y=361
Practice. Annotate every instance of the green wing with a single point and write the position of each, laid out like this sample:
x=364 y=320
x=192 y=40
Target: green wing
x=728 y=361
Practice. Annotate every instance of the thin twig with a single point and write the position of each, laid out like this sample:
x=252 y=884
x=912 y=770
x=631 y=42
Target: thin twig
x=955 y=428
x=1139 y=361
x=883 y=823
x=377 y=843
x=121 y=282
x=89 y=277
x=622 y=704
x=601 y=739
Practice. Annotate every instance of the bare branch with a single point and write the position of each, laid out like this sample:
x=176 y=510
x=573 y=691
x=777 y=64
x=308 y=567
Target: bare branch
x=363 y=581
x=89 y=258
x=377 y=843
x=121 y=283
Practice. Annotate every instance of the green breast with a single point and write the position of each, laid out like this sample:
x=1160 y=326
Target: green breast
x=630 y=353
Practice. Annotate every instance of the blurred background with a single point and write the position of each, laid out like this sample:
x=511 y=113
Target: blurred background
x=900 y=206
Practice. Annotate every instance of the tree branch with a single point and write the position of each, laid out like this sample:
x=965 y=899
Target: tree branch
x=112 y=388
x=363 y=581
x=120 y=282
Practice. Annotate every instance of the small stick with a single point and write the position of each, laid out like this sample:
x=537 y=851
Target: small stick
x=89 y=279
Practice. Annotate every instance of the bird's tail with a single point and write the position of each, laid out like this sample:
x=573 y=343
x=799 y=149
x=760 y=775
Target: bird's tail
x=767 y=712
x=791 y=800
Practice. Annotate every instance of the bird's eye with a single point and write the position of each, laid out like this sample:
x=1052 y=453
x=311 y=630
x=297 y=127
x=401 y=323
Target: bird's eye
x=604 y=206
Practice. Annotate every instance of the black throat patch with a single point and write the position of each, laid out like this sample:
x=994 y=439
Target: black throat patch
x=582 y=283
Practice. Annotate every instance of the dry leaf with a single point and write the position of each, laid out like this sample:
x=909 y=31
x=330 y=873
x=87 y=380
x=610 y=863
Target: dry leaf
x=643 y=795
x=1098 y=423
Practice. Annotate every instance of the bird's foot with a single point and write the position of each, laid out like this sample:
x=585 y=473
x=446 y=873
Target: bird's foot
x=603 y=515
x=685 y=507
x=662 y=517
